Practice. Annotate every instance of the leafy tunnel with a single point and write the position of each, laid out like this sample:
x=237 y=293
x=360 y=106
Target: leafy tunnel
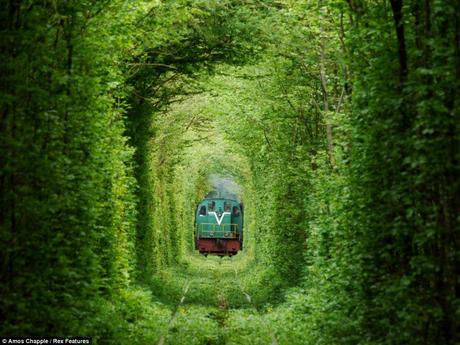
x=337 y=120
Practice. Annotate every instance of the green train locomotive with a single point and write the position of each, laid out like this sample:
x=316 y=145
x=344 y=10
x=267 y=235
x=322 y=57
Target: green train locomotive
x=219 y=227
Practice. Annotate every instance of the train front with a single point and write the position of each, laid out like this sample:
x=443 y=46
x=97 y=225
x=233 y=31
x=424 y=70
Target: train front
x=219 y=227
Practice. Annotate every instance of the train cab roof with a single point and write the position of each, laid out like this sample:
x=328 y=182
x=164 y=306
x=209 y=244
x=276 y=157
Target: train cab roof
x=219 y=201
x=225 y=199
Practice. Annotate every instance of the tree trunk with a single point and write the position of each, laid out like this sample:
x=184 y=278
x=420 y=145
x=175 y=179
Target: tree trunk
x=396 y=6
x=322 y=58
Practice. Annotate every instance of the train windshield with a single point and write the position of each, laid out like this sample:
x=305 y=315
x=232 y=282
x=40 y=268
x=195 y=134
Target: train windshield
x=211 y=206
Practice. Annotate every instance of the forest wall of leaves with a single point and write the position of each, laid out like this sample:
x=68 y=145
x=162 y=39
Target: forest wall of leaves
x=346 y=114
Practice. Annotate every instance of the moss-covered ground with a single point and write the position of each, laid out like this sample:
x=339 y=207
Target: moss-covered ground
x=221 y=302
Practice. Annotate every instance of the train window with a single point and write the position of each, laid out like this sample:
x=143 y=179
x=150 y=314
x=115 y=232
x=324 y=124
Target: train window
x=227 y=207
x=211 y=206
x=203 y=210
x=236 y=211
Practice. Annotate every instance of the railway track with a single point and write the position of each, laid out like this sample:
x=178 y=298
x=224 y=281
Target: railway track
x=219 y=275
x=185 y=289
x=274 y=340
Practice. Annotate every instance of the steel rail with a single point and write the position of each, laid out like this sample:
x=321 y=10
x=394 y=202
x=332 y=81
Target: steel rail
x=185 y=289
x=249 y=299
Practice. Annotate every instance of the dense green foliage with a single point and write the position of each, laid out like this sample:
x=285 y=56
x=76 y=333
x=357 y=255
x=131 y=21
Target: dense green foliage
x=339 y=119
x=67 y=198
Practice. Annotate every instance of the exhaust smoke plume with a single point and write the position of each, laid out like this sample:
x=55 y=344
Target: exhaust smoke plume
x=223 y=187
